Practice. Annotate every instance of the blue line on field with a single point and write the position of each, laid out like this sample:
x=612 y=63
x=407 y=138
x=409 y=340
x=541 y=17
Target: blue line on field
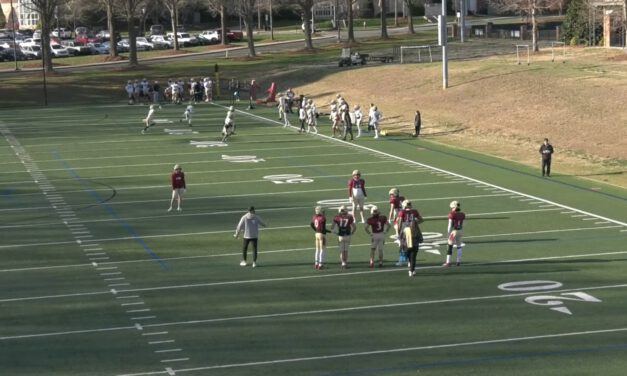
x=510 y=169
x=111 y=211
x=465 y=362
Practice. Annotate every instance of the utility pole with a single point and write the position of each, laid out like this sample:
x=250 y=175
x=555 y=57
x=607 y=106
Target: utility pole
x=443 y=43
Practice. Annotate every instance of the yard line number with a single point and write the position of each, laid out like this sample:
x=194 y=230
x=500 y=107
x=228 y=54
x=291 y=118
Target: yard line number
x=555 y=302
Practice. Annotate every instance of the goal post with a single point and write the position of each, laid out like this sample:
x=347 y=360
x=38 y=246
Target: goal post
x=418 y=51
x=556 y=46
x=519 y=49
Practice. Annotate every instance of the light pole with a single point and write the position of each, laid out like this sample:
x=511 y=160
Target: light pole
x=144 y=21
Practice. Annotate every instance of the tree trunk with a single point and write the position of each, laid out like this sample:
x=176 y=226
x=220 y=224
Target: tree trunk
x=225 y=40
x=174 y=17
x=410 y=20
x=46 y=52
x=349 y=12
x=248 y=21
x=132 y=40
x=534 y=30
x=384 y=26
x=625 y=22
x=113 y=45
x=308 y=25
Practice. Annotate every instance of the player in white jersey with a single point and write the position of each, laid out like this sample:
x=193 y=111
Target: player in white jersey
x=187 y=115
x=149 y=120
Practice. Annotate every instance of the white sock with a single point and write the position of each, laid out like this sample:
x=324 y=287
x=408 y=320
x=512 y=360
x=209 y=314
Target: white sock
x=448 y=259
x=459 y=254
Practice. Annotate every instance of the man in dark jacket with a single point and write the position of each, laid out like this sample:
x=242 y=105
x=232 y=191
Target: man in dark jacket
x=546 y=150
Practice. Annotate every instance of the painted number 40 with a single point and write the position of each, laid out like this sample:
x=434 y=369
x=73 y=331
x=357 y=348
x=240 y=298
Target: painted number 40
x=555 y=302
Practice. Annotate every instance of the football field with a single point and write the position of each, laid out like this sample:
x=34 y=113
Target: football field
x=100 y=279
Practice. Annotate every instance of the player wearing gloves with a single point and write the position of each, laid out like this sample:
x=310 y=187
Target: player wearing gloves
x=344 y=227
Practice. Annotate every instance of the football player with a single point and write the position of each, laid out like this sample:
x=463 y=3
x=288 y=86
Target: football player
x=344 y=227
x=395 y=207
x=406 y=219
x=178 y=187
x=377 y=226
x=357 y=193
x=229 y=127
x=455 y=231
x=149 y=120
x=187 y=115
x=319 y=225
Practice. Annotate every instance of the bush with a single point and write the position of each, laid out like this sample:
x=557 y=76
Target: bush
x=574 y=41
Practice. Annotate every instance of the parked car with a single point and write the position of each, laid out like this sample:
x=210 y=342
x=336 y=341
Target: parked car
x=81 y=30
x=209 y=36
x=86 y=38
x=10 y=54
x=36 y=34
x=31 y=51
x=6 y=33
x=143 y=42
x=234 y=35
x=31 y=42
x=76 y=48
x=103 y=35
x=6 y=43
x=159 y=42
x=124 y=46
x=62 y=33
x=99 y=48
x=184 y=39
x=59 y=51
x=157 y=30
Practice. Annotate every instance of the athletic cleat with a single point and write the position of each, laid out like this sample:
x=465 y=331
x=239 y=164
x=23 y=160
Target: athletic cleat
x=380 y=264
x=344 y=266
x=446 y=265
x=254 y=264
x=242 y=263
x=179 y=209
x=371 y=265
x=169 y=209
x=411 y=274
x=316 y=266
x=320 y=267
x=458 y=264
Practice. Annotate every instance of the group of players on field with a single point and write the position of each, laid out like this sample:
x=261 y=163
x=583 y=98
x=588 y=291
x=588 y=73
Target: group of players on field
x=404 y=219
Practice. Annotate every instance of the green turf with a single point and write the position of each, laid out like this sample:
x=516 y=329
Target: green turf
x=98 y=294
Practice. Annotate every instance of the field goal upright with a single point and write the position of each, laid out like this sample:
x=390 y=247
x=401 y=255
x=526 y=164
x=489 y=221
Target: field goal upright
x=407 y=52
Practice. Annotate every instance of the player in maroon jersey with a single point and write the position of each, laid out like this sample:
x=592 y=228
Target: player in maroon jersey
x=178 y=187
x=319 y=225
x=377 y=226
x=408 y=218
x=395 y=207
x=357 y=193
x=344 y=227
x=455 y=232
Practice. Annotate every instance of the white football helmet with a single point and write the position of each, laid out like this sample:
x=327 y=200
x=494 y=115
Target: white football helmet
x=342 y=209
x=406 y=204
x=177 y=167
x=356 y=173
x=455 y=204
x=374 y=210
x=394 y=191
x=318 y=210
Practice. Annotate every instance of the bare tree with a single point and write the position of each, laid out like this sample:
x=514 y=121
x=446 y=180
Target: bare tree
x=173 y=7
x=350 y=16
x=528 y=9
x=131 y=8
x=410 y=19
x=219 y=7
x=246 y=9
x=110 y=6
x=46 y=10
x=384 y=26
x=305 y=7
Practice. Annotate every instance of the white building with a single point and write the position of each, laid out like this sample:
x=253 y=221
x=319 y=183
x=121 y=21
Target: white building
x=25 y=15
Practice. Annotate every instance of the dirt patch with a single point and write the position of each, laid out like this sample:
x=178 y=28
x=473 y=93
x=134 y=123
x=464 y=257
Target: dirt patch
x=498 y=107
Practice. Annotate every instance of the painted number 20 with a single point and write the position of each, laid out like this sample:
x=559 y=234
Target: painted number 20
x=555 y=302
x=288 y=179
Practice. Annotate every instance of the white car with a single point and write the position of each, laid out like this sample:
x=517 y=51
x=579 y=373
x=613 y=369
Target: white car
x=98 y=48
x=62 y=33
x=31 y=42
x=31 y=52
x=210 y=36
x=184 y=39
x=160 y=41
x=142 y=41
x=59 y=51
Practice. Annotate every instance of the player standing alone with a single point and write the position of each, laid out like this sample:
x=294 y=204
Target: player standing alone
x=187 y=114
x=149 y=120
x=357 y=193
x=455 y=231
x=178 y=187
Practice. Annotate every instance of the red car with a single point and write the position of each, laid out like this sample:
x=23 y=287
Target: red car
x=234 y=35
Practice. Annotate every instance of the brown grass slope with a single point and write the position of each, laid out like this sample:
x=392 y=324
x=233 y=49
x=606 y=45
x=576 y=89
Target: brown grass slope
x=501 y=108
